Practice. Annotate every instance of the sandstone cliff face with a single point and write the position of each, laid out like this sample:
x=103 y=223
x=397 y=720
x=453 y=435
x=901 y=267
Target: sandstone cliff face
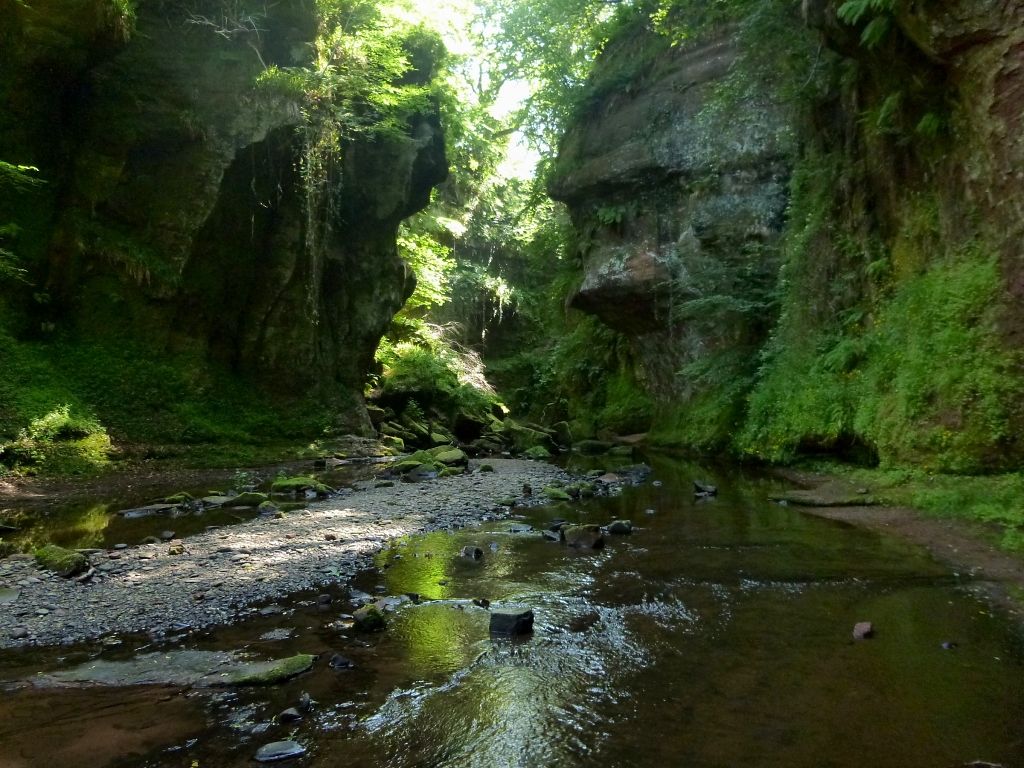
x=896 y=197
x=176 y=212
x=669 y=192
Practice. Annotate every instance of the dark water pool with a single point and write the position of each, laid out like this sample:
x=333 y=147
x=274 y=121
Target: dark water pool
x=718 y=634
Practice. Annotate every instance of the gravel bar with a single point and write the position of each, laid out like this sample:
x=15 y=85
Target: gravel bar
x=223 y=572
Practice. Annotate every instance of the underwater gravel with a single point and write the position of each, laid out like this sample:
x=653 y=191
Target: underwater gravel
x=222 y=573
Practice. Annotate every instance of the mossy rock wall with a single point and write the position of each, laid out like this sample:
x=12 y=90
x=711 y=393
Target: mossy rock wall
x=897 y=323
x=174 y=220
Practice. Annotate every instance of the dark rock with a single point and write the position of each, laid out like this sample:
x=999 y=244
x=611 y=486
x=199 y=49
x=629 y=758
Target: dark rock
x=551 y=535
x=520 y=528
x=369 y=619
x=948 y=645
x=583 y=536
x=341 y=662
x=704 y=489
x=511 y=621
x=584 y=622
x=279 y=750
x=19 y=633
x=472 y=553
x=324 y=599
x=620 y=527
x=557 y=524
x=527 y=489
x=863 y=630
x=151 y=540
x=248 y=499
x=289 y=715
x=305 y=702
x=591 y=447
x=480 y=602
x=120 y=546
x=167 y=535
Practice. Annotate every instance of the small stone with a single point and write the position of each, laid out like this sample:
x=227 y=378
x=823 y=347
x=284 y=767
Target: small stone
x=472 y=553
x=510 y=622
x=481 y=602
x=704 y=489
x=620 y=527
x=330 y=537
x=551 y=536
x=19 y=633
x=176 y=548
x=279 y=750
x=863 y=630
x=120 y=546
x=583 y=536
x=289 y=715
x=167 y=535
x=324 y=599
x=341 y=662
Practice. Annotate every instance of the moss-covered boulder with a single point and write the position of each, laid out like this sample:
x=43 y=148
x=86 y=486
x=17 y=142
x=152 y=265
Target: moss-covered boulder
x=369 y=618
x=538 y=453
x=556 y=494
x=248 y=499
x=452 y=471
x=452 y=457
x=300 y=484
x=271 y=672
x=63 y=562
x=407 y=466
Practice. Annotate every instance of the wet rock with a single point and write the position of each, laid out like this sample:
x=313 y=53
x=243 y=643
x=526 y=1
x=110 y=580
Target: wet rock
x=369 y=619
x=471 y=553
x=9 y=595
x=271 y=610
x=150 y=540
x=305 y=702
x=520 y=528
x=948 y=645
x=330 y=537
x=341 y=662
x=704 y=489
x=289 y=715
x=120 y=546
x=82 y=578
x=527 y=489
x=481 y=602
x=551 y=535
x=451 y=457
x=863 y=630
x=583 y=536
x=268 y=508
x=167 y=535
x=148 y=510
x=324 y=599
x=279 y=750
x=272 y=672
x=248 y=499
x=584 y=622
x=486 y=468
x=512 y=621
x=300 y=485
x=19 y=633
x=620 y=527
x=176 y=548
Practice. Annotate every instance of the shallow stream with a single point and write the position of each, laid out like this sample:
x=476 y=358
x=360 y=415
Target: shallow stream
x=717 y=634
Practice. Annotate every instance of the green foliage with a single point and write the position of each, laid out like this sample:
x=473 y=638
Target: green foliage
x=14 y=180
x=59 y=443
x=435 y=376
x=878 y=14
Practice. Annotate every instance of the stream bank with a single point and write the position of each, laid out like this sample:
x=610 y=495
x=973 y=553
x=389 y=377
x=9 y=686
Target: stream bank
x=222 y=573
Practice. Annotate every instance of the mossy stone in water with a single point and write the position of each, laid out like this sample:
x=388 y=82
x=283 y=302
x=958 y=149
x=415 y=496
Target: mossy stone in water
x=271 y=672
x=538 y=453
x=298 y=485
x=556 y=494
x=64 y=562
x=369 y=619
x=249 y=499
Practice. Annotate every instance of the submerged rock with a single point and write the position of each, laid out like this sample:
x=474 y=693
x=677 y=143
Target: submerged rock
x=369 y=619
x=863 y=630
x=511 y=621
x=620 y=527
x=248 y=499
x=279 y=750
x=583 y=536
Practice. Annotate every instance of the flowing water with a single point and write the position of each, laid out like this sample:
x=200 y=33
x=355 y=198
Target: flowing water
x=717 y=634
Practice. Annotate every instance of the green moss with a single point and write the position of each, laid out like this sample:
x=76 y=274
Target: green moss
x=272 y=672
x=298 y=485
x=451 y=456
x=486 y=468
x=537 y=452
x=64 y=562
x=249 y=499
x=556 y=494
